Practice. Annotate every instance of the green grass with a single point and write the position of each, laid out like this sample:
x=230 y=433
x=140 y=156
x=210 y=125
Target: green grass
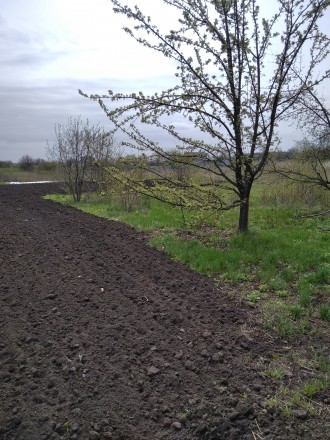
x=324 y=312
x=304 y=393
x=305 y=299
x=302 y=397
x=14 y=174
x=275 y=257
x=296 y=312
x=148 y=216
x=315 y=386
x=253 y=297
x=274 y=372
x=323 y=363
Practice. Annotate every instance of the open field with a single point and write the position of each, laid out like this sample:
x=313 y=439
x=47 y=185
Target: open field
x=117 y=341
x=14 y=174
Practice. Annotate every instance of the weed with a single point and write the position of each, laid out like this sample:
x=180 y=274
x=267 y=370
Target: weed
x=305 y=299
x=276 y=402
x=282 y=293
x=243 y=397
x=284 y=326
x=303 y=286
x=321 y=276
x=315 y=386
x=277 y=283
x=303 y=327
x=288 y=274
x=286 y=400
x=275 y=373
x=296 y=398
x=219 y=387
x=184 y=414
x=296 y=311
x=253 y=297
x=324 y=312
x=323 y=364
x=263 y=287
x=66 y=426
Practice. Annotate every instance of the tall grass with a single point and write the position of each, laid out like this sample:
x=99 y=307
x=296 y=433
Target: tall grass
x=279 y=191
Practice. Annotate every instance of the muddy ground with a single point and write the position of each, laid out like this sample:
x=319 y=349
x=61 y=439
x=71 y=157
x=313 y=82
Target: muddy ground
x=103 y=337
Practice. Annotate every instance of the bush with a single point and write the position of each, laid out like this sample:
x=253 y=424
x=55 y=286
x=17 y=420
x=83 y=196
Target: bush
x=26 y=163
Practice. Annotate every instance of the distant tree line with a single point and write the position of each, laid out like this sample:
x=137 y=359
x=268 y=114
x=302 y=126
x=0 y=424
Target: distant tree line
x=6 y=163
x=28 y=163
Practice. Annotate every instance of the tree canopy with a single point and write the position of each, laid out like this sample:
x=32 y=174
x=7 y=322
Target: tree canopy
x=236 y=80
x=80 y=148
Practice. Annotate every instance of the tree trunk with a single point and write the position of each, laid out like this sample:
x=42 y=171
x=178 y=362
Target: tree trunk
x=243 y=224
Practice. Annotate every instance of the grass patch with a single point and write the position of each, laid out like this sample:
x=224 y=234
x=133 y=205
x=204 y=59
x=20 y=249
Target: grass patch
x=315 y=386
x=302 y=398
x=288 y=400
x=284 y=326
x=303 y=395
x=305 y=299
x=148 y=216
x=296 y=311
x=274 y=372
x=324 y=312
x=14 y=174
x=253 y=297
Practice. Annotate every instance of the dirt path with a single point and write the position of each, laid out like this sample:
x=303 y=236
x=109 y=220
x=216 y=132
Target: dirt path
x=105 y=338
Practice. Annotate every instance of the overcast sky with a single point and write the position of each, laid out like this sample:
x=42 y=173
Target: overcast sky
x=51 y=48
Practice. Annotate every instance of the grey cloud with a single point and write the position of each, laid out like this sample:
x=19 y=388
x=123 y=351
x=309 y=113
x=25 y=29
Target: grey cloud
x=26 y=47
x=28 y=115
x=27 y=36
x=31 y=58
x=10 y=35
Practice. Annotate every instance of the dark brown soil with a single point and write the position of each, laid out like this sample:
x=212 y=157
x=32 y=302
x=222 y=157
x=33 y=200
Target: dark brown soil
x=103 y=337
